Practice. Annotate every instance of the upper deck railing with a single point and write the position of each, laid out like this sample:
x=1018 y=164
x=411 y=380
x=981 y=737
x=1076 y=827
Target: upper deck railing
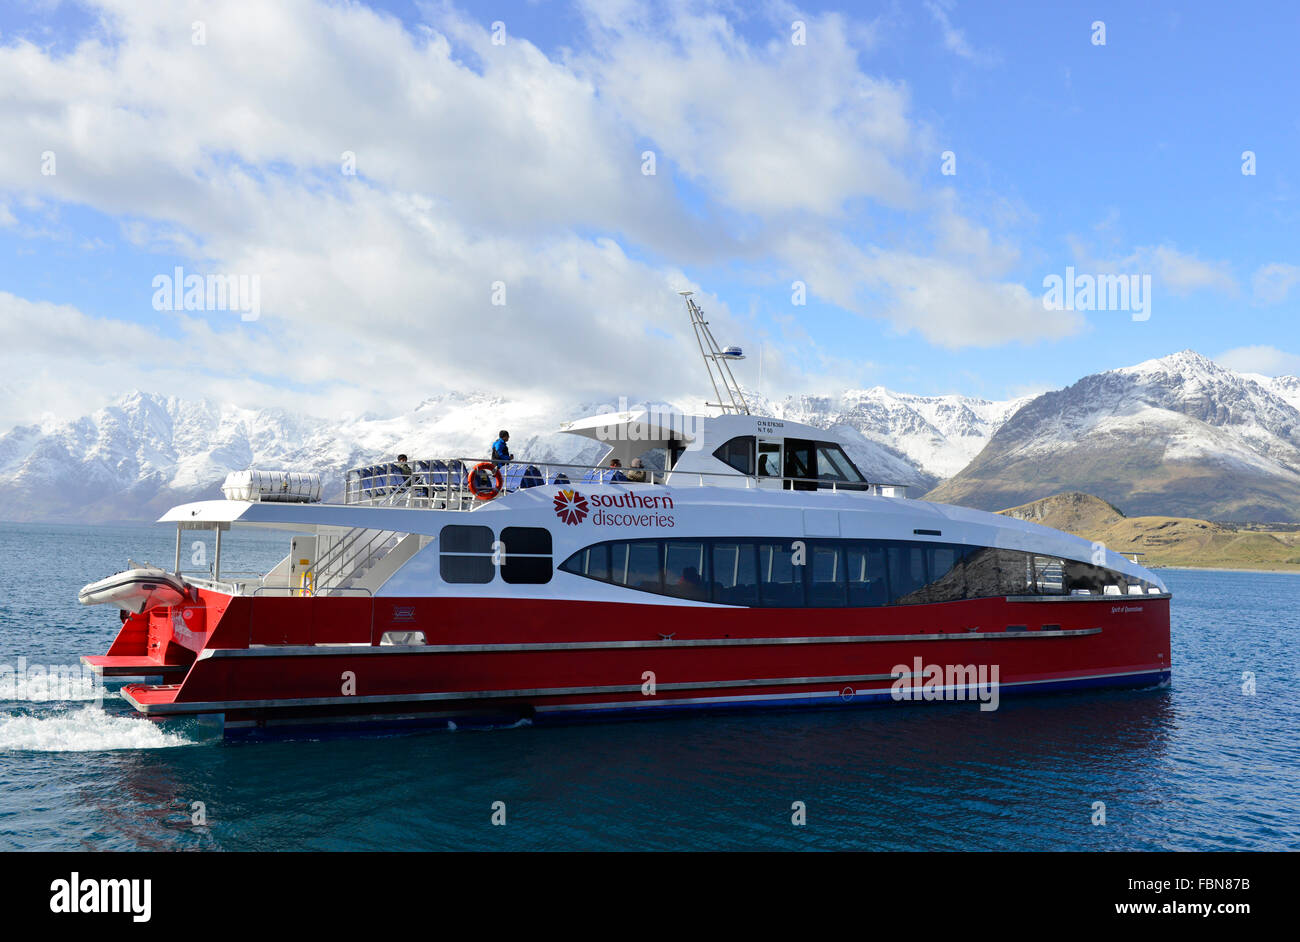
x=445 y=484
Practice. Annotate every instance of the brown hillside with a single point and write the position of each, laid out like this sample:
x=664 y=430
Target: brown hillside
x=1164 y=541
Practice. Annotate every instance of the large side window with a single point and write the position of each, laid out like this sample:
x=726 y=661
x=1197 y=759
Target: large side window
x=686 y=564
x=945 y=575
x=780 y=581
x=907 y=571
x=763 y=572
x=637 y=565
x=1049 y=575
x=735 y=573
x=868 y=577
x=828 y=585
x=738 y=453
x=465 y=555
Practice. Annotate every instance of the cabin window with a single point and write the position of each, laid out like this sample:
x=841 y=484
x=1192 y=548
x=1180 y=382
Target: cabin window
x=527 y=555
x=686 y=569
x=1049 y=575
x=780 y=581
x=907 y=571
x=738 y=453
x=868 y=575
x=765 y=573
x=465 y=555
x=828 y=585
x=735 y=573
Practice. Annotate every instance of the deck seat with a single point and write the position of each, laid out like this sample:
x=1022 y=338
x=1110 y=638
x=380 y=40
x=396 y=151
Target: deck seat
x=513 y=476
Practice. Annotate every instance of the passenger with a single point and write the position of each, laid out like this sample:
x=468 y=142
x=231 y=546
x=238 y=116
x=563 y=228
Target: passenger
x=404 y=469
x=690 y=585
x=617 y=467
x=501 y=448
x=637 y=474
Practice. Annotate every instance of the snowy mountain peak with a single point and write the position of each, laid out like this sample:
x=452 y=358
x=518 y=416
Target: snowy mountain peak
x=144 y=452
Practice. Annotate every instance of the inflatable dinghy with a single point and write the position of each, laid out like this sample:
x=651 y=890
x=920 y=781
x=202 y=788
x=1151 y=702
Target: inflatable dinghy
x=135 y=590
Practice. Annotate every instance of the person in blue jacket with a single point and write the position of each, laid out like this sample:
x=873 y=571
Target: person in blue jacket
x=501 y=448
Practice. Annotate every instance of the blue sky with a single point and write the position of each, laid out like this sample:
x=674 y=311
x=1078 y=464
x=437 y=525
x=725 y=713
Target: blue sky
x=521 y=163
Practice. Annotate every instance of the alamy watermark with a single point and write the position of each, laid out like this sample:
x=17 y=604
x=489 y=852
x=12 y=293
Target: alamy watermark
x=645 y=422
x=181 y=292
x=49 y=682
x=1098 y=293
x=947 y=682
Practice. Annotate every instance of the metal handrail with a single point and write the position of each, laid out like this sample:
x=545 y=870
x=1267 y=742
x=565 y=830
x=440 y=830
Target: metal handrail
x=445 y=487
x=339 y=547
x=288 y=588
x=327 y=580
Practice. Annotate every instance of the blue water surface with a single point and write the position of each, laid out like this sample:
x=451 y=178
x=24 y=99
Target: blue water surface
x=1198 y=765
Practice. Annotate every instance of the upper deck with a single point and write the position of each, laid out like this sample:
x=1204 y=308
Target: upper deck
x=676 y=449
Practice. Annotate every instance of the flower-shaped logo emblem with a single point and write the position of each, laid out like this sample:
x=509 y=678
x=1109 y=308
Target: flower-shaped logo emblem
x=571 y=507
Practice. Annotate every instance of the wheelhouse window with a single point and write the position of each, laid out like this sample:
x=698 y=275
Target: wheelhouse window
x=834 y=466
x=738 y=453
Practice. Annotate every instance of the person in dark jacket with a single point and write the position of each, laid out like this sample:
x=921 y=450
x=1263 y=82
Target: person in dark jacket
x=501 y=448
x=404 y=469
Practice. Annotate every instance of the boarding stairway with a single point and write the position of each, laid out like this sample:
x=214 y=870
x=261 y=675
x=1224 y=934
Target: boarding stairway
x=361 y=560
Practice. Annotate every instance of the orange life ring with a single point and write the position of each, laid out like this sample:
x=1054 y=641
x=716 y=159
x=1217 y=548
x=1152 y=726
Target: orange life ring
x=498 y=481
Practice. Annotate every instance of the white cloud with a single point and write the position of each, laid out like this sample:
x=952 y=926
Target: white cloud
x=951 y=303
x=1266 y=360
x=1179 y=272
x=954 y=39
x=1273 y=282
x=475 y=164
x=769 y=129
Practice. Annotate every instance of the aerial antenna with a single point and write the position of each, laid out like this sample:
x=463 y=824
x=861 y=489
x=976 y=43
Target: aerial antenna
x=717 y=361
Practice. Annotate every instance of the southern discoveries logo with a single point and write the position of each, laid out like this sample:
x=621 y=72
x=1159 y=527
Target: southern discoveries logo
x=573 y=508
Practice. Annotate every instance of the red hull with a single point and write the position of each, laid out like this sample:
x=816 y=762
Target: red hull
x=269 y=660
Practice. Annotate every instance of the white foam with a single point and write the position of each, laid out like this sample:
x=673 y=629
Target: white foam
x=88 y=729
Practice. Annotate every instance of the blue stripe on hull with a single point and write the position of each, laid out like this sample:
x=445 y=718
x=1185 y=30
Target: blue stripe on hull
x=351 y=726
x=1151 y=679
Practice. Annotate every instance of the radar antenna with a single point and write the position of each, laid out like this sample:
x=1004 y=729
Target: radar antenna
x=717 y=361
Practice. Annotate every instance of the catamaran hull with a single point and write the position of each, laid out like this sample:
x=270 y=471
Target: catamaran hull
x=269 y=663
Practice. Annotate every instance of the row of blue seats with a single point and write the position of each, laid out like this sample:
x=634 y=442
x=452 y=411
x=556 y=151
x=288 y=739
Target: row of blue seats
x=382 y=479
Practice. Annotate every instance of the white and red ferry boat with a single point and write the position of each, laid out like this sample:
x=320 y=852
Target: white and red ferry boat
x=748 y=564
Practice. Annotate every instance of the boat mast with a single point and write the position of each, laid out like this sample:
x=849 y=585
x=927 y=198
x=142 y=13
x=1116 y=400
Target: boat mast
x=716 y=361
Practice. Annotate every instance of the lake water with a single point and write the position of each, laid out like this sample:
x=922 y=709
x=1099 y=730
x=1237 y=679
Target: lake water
x=1199 y=765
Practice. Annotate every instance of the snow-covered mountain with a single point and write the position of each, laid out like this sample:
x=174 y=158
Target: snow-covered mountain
x=1178 y=436
x=938 y=435
x=144 y=453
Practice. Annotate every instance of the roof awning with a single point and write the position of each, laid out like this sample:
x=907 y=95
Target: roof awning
x=641 y=425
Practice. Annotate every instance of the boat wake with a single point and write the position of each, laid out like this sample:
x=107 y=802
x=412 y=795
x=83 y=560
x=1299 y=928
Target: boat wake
x=83 y=729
